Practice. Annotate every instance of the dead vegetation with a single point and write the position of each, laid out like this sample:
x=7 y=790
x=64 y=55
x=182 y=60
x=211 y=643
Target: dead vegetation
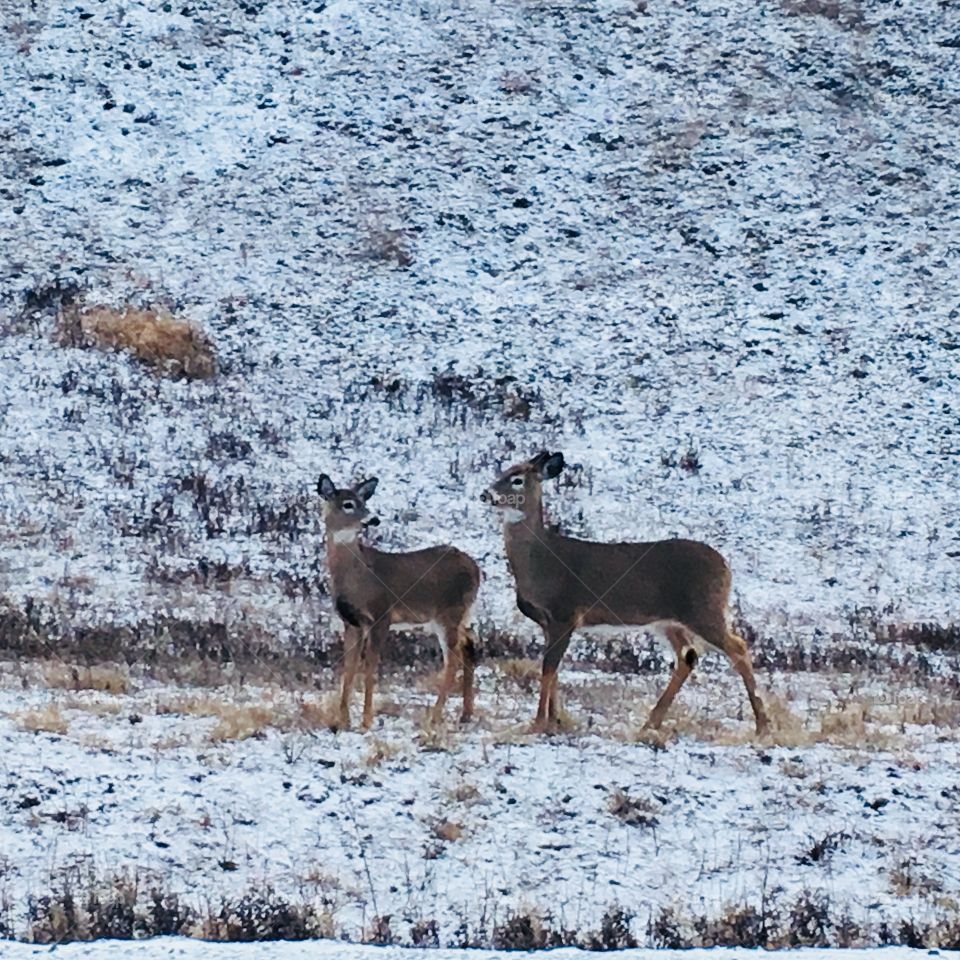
x=635 y=811
x=168 y=345
x=80 y=904
x=844 y=13
x=45 y=719
x=384 y=244
x=245 y=717
x=106 y=678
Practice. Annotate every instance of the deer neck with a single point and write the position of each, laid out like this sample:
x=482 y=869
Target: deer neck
x=345 y=553
x=523 y=527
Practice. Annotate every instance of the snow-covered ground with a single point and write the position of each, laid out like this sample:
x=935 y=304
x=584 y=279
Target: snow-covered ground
x=174 y=949
x=214 y=792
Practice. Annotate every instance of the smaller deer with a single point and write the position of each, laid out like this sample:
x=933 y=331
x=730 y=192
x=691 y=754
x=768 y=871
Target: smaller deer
x=375 y=592
x=677 y=588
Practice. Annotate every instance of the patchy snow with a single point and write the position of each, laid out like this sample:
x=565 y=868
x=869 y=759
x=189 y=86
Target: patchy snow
x=708 y=249
x=706 y=227
x=161 y=949
x=144 y=783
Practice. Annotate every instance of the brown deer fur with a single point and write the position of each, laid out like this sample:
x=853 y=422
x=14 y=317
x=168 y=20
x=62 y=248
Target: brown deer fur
x=375 y=591
x=680 y=587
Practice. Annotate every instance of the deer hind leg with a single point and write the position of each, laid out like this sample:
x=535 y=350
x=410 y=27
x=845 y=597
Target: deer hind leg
x=735 y=648
x=686 y=652
x=469 y=647
x=371 y=663
x=352 y=653
x=558 y=639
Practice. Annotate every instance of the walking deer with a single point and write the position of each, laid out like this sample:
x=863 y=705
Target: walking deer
x=375 y=592
x=678 y=588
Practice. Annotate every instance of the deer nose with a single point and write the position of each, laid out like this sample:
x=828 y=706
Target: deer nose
x=372 y=522
x=486 y=497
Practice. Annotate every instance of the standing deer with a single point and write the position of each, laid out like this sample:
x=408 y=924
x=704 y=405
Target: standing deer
x=678 y=588
x=375 y=592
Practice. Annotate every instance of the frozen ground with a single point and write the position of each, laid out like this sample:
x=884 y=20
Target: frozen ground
x=187 y=950
x=637 y=231
x=210 y=793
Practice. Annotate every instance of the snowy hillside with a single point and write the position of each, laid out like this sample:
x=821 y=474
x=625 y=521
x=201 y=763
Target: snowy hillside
x=708 y=250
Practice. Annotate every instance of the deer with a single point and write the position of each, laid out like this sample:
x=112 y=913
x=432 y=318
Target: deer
x=676 y=588
x=375 y=592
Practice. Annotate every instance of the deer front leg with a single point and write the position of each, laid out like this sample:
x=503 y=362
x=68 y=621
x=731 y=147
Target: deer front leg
x=557 y=637
x=374 y=646
x=736 y=649
x=352 y=649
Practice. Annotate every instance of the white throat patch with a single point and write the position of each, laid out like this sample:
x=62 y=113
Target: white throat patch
x=346 y=536
x=512 y=515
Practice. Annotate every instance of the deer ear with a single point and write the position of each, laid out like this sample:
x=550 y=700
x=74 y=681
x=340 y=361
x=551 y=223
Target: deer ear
x=326 y=488
x=366 y=489
x=551 y=466
x=539 y=460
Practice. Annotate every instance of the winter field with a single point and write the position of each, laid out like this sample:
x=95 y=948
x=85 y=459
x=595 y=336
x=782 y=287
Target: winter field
x=710 y=250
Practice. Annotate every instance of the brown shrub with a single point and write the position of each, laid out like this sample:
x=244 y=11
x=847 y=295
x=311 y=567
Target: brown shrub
x=173 y=347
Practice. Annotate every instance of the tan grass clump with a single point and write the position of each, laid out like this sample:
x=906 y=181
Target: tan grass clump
x=242 y=719
x=172 y=347
x=46 y=719
x=109 y=678
x=380 y=751
x=523 y=672
x=448 y=830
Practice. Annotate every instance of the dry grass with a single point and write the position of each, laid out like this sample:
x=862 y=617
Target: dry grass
x=240 y=720
x=635 y=811
x=388 y=245
x=845 y=13
x=108 y=678
x=46 y=719
x=449 y=831
x=908 y=879
x=465 y=793
x=99 y=707
x=154 y=336
x=522 y=672
x=380 y=751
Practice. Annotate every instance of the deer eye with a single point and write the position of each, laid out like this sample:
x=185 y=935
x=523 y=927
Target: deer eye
x=517 y=481
x=349 y=506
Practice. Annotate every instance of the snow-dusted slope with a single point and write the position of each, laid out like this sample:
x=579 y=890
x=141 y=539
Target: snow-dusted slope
x=718 y=227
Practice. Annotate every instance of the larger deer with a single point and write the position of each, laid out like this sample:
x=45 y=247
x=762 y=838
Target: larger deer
x=375 y=592
x=678 y=588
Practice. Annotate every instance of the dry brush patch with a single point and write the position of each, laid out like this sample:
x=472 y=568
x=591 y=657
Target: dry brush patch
x=46 y=719
x=106 y=678
x=242 y=716
x=82 y=905
x=171 y=346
